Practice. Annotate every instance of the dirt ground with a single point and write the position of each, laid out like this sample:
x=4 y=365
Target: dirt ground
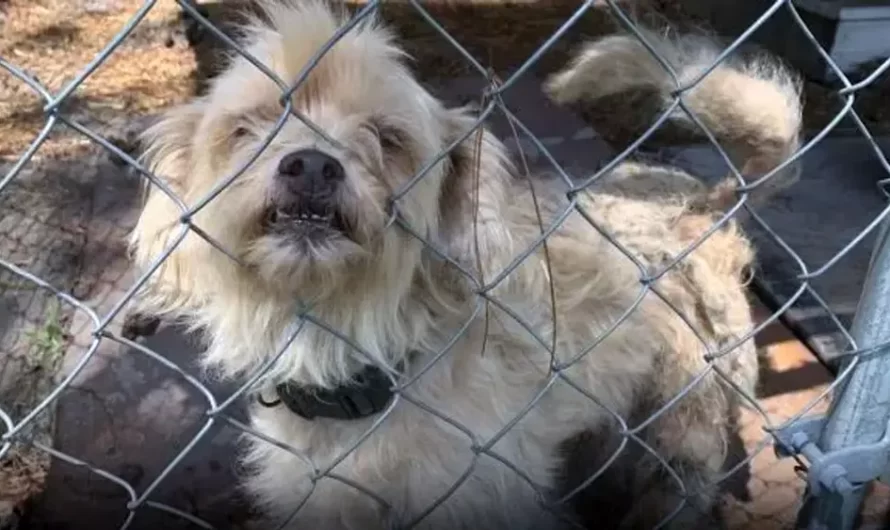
x=53 y=40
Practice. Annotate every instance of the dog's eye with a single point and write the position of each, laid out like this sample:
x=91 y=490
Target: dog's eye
x=390 y=139
x=240 y=132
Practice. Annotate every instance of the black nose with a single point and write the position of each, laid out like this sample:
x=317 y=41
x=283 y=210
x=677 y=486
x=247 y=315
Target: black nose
x=311 y=164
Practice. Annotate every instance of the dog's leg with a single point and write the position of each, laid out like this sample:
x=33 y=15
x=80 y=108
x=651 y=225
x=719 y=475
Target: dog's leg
x=637 y=491
x=608 y=500
x=657 y=494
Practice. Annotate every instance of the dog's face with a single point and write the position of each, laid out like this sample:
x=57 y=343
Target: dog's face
x=307 y=216
x=309 y=205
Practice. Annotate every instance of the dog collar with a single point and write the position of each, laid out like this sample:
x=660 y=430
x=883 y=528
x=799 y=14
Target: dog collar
x=369 y=393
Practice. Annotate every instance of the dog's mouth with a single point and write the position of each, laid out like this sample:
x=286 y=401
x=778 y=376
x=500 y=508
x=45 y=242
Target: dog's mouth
x=311 y=222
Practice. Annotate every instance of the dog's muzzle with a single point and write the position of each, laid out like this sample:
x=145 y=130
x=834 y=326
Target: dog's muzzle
x=304 y=197
x=310 y=170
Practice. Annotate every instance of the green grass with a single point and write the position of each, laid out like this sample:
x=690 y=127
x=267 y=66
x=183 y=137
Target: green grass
x=47 y=343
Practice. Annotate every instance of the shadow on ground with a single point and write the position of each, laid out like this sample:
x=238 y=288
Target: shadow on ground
x=134 y=416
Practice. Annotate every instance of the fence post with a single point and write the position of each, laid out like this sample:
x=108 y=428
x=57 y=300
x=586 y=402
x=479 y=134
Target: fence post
x=860 y=408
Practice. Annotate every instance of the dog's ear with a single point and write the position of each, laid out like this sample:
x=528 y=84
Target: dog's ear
x=168 y=143
x=473 y=197
x=168 y=155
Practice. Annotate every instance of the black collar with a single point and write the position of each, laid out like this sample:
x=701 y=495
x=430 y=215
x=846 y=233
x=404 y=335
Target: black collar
x=369 y=393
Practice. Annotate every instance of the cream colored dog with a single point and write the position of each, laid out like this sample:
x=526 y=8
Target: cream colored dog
x=499 y=354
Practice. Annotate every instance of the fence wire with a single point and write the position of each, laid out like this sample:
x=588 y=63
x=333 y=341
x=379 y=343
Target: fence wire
x=218 y=408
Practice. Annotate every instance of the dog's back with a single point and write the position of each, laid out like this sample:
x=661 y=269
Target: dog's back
x=751 y=107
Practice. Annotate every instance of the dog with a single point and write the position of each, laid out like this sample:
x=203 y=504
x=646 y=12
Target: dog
x=752 y=107
x=430 y=355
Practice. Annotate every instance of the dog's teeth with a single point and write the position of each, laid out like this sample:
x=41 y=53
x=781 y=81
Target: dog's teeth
x=312 y=217
x=301 y=217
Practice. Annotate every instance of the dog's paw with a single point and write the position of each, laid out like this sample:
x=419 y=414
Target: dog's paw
x=138 y=325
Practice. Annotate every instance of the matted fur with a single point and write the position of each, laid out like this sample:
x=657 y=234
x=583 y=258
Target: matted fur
x=401 y=302
x=751 y=104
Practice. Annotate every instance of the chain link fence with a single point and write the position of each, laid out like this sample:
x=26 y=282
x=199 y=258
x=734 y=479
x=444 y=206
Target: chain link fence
x=838 y=456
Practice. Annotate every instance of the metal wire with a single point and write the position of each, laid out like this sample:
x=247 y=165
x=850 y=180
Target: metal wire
x=217 y=407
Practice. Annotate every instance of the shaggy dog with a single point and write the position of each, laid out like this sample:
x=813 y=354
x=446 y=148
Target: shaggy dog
x=751 y=106
x=326 y=257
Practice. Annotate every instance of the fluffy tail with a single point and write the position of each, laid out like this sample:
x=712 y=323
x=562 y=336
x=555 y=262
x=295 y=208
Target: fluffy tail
x=752 y=106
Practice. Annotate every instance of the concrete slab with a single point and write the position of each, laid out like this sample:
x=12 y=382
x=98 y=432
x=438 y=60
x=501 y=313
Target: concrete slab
x=851 y=32
x=524 y=98
x=125 y=414
x=835 y=200
x=563 y=133
x=44 y=222
x=131 y=416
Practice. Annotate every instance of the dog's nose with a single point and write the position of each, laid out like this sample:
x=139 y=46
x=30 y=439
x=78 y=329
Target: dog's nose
x=312 y=164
